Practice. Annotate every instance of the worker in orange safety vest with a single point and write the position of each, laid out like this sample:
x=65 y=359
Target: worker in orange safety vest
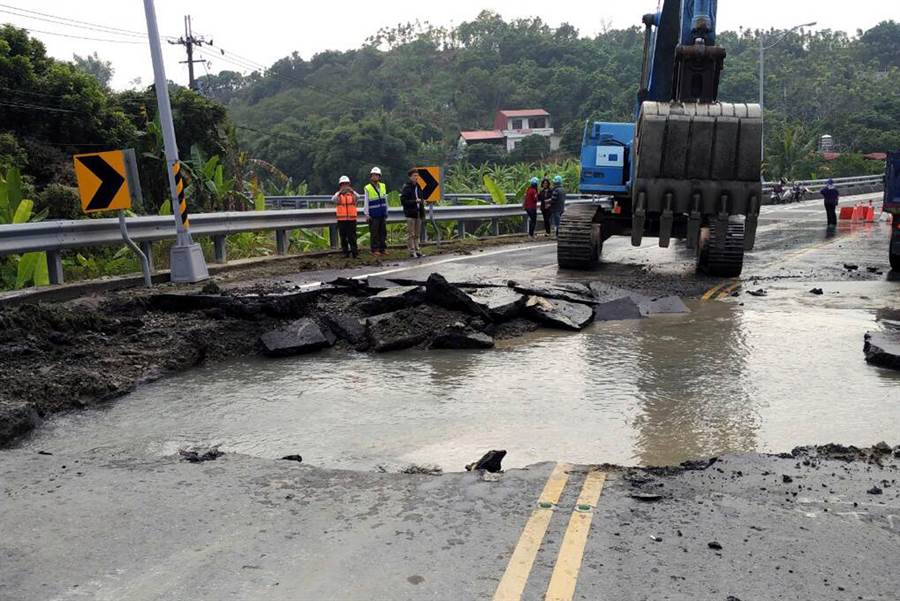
x=345 y=199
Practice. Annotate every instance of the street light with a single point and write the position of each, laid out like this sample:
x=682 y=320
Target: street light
x=762 y=79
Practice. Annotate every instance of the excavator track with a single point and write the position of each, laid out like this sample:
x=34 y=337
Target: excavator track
x=723 y=256
x=579 y=244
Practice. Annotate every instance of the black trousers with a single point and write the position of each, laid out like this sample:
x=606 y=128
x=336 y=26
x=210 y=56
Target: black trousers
x=546 y=213
x=378 y=234
x=532 y=220
x=830 y=210
x=347 y=232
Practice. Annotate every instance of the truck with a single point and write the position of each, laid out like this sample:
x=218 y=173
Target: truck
x=892 y=205
x=688 y=168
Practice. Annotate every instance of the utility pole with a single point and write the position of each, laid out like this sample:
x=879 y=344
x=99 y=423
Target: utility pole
x=189 y=40
x=186 y=257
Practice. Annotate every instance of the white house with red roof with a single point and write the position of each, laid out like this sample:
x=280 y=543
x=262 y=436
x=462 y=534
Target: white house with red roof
x=511 y=127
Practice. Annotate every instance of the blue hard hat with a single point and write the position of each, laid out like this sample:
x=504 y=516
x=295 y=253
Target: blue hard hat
x=534 y=181
x=557 y=179
x=830 y=181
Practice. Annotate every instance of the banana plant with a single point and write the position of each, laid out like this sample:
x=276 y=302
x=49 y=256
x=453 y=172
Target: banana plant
x=30 y=268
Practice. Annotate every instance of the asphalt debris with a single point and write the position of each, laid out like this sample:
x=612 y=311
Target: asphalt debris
x=489 y=462
x=200 y=455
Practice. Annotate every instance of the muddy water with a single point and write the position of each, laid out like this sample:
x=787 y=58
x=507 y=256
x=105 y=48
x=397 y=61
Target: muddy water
x=769 y=375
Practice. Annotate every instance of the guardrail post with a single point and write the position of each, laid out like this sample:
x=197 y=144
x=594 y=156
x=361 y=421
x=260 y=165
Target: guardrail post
x=54 y=267
x=423 y=233
x=220 y=254
x=461 y=228
x=525 y=225
x=495 y=226
x=333 y=235
x=281 y=242
x=147 y=249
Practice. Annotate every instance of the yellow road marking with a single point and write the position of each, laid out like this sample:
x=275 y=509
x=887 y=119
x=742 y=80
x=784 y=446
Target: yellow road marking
x=729 y=289
x=712 y=291
x=568 y=563
x=516 y=576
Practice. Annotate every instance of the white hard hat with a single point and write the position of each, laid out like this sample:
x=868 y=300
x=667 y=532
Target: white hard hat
x=344 y=180
x=375 y=171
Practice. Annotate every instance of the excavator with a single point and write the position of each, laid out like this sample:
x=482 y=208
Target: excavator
x=688 y=168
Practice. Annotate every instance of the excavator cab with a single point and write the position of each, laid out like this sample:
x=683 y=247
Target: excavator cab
x=689 y=167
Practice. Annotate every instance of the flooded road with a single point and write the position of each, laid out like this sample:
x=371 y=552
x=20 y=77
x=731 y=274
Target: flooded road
x=777 y=372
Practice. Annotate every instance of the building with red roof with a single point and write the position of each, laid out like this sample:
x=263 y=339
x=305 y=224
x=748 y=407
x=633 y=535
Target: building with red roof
x=511 y=127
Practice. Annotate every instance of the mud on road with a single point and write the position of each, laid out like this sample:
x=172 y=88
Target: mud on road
x=72 y=355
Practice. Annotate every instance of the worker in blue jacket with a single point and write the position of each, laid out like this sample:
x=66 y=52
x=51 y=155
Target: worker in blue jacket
x=831 y=195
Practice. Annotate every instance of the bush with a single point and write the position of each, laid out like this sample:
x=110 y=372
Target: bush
x=531 y=149
x=11 y=154
x=62 y=202
x=479 y=154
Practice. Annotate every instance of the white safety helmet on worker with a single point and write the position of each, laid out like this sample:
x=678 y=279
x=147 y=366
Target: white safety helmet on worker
x=344 y=180
x=375 y=171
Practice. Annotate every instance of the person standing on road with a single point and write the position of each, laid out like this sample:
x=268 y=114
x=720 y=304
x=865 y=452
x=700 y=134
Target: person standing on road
x=544 y=197
x=831 y=195
x=346 y=199
x=375 y=208
x=414 y=210
x=530 y=204
x=557 y=202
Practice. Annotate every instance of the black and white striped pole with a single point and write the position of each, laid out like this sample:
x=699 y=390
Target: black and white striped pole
x=187 y=262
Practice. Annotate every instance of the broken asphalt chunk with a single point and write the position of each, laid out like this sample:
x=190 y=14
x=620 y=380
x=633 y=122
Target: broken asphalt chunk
x=882 y=349
x=558 y=313
x=347 y=328
x=462 y=338
x=392 y=299
x=441 y=292
x=201 y=454
x=490 y=462
x=619 y=309
x=301 y=336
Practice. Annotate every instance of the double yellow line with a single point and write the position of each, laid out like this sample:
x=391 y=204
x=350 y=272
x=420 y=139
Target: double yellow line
x=722 y=290
x=571 y=553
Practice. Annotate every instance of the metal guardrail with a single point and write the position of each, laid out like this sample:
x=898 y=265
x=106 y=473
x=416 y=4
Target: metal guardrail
x=56 y=236
x=319 y=201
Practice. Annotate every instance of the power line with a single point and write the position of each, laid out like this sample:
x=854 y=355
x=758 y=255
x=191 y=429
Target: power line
x=210 y=58
x=238 y=56
x=67 y=21
x=79 y=37
x=37 y=107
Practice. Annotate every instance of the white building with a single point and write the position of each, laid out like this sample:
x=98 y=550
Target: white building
x=511 y=127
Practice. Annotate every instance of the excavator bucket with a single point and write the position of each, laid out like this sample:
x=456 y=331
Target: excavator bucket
x=699 y=162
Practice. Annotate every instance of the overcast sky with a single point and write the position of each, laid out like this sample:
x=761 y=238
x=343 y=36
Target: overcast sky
x=263 y=31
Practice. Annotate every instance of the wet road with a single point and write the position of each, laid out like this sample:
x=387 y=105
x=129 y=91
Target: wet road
x=740 y=373
x=112 y=514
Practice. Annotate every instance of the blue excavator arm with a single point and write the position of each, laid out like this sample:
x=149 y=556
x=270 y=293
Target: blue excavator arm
x=688 y=166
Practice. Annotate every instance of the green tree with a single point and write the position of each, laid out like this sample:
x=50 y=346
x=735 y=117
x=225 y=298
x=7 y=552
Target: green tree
x=531 y=149
x=93 y=65
x=481 y=154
